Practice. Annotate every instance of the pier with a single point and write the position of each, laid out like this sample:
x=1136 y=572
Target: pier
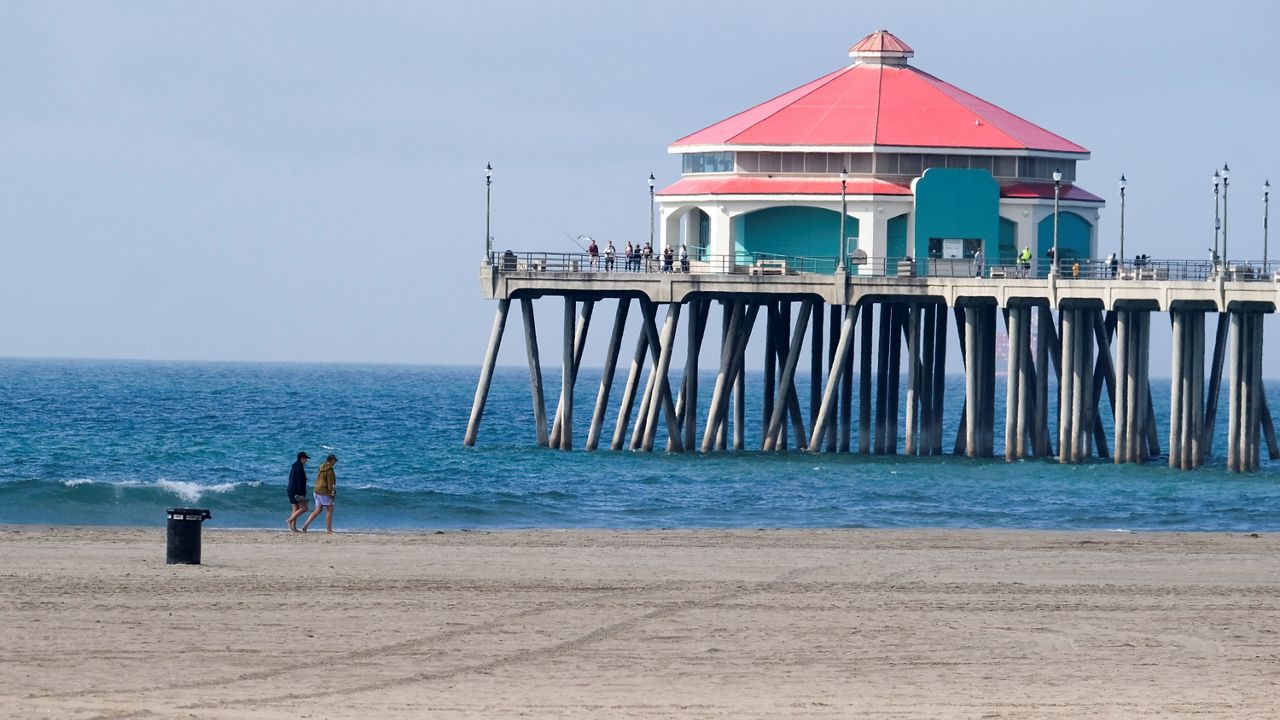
x=1082 y=333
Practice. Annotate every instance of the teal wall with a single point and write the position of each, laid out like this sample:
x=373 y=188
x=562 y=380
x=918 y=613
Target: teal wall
x=953 y=203
x=1008 y=254
x=895 y=243
x=792 y=231
x=1074 y=233
x=896 y=240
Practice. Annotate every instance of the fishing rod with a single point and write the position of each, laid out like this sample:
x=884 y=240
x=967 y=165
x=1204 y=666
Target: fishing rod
x=575 y=240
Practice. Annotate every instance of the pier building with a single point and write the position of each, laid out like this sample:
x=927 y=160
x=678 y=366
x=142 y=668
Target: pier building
x=872 y=325
x=931 y=171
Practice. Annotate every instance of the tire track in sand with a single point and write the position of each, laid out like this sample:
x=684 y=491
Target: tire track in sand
x=595 y=636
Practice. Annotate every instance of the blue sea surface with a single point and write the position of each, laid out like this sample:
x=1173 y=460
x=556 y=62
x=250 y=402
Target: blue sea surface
x=107 y=442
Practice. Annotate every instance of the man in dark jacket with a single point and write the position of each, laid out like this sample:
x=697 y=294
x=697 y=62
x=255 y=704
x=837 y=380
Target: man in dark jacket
x=297 y=490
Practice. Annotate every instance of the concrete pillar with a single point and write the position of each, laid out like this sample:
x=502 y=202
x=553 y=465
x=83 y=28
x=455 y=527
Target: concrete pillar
x=1175 y=390
x=486 y=373
x=723 y=378
x=1045 y=334
x=882 y=378
x=927 y=358
x=896 y=318
x=846 y=392
x=833 y=339
x=567 y=377
x=972 y=380
x=770 y=370
x=629 y=391
x=939 y=377
x=606 y=377
x=535 y=372
x=1066 y=395
x=669 y=327
x=828 y=404
x=777 y=423
x=1197 y=390
x=815 y=362
x=913 y=378
x=1026 y=401
x=1012 y=397
x=864 y=378
x=1123 y=384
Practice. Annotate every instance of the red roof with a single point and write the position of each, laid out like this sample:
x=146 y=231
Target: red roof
x=755 y=185
x=870 y=104
x=1044 y=191
x=763 y=185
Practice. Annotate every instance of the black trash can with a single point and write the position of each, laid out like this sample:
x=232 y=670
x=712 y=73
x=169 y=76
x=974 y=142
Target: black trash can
x=184 y=535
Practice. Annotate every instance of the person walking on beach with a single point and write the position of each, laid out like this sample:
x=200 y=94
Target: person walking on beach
x=325 y=490
x=297 y=490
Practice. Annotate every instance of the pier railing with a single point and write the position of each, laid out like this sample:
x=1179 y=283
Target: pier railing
x=768 y=264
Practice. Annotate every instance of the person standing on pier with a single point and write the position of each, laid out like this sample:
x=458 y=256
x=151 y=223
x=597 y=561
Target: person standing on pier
x=667 y=257
x=1024 y=261
x=684 y=258
x=593 y=251
x=609 y=253
x=648 y=257
x=297 y=490
x=977 y=263
x=629 y=253
x=325 y=490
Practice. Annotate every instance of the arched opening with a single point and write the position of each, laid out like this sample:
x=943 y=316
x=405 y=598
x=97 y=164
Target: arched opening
x=808 y=235
x=1075 y=236
x=1007 y=252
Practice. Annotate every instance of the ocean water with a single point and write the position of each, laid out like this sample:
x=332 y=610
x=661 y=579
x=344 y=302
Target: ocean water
x=98 y=442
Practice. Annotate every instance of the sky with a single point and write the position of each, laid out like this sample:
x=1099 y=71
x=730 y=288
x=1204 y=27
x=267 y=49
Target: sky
x=303 y=181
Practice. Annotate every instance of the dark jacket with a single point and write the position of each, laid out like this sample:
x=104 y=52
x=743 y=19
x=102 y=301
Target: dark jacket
x=297 y=480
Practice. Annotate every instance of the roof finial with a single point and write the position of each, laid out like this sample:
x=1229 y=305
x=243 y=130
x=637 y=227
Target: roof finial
x=881 y=48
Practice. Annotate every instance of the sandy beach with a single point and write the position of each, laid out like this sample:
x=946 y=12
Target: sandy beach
x=696 y=624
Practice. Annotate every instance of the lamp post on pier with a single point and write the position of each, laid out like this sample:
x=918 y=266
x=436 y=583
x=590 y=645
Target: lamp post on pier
x=1217 y=222
x=488 y=190
x=1057 y=191
x=1226 y=181
x=1123 y=183
x=652 y=182
x=1266 y=210
x=844 y=211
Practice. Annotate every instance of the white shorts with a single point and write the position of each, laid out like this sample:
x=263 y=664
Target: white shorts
x=324 y=500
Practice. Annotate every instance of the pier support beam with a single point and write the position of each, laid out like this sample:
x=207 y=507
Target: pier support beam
x=980 y=351
x=827 y=408
x=535 y=372
x=606 y=376
x=786 y=399
x=486 y=373
x=576 y=343
x=864 y=378
x=1244 y=418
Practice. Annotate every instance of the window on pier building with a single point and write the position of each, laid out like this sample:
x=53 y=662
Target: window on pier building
x=1041 y=168
x=708 y=162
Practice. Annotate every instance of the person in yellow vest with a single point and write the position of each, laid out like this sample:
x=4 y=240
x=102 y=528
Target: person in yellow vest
x=325 y=489
x=1024 y=261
